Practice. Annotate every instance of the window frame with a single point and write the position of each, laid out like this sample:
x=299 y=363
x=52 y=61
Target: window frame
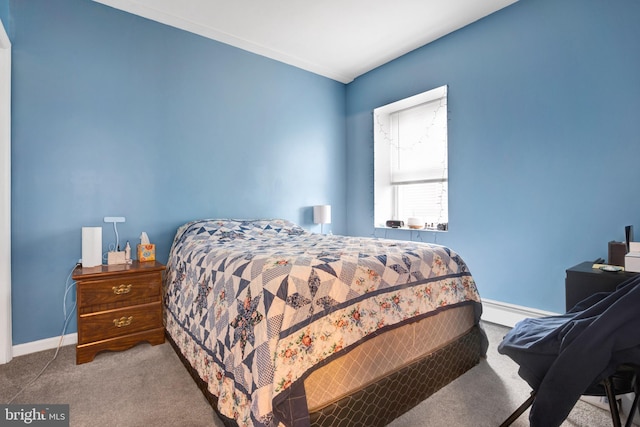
x=386 y=197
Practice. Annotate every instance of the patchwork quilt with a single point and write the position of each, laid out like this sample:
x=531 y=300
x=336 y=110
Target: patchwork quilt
x=255 y=305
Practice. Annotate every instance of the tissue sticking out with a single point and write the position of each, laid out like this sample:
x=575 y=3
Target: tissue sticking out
x=144 y=239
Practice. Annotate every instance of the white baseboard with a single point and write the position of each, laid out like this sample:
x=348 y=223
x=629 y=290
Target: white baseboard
x=506 y=314
x=45 y=344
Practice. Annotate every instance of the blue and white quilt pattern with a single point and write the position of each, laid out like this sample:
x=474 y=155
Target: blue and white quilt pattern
x=255 y=305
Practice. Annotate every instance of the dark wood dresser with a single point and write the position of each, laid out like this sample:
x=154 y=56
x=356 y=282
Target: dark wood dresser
x=582 y=281
x=118 y=307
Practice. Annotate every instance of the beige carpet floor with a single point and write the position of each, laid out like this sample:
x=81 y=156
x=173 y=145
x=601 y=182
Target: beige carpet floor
x=148 y=386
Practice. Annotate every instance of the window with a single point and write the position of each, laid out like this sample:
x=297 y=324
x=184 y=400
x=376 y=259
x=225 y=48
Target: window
x=411 y=165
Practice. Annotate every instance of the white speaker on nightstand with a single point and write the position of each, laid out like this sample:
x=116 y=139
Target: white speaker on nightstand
x=91 y=246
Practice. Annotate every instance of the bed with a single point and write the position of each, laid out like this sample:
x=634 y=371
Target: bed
x=281 y=326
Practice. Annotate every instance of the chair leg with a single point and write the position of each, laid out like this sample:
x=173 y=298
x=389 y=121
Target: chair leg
x=613 y=405
x=636 y=399
x=632 y=411
x=516 y=414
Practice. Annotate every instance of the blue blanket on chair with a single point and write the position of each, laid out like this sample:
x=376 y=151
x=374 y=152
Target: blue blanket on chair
x=561 y=356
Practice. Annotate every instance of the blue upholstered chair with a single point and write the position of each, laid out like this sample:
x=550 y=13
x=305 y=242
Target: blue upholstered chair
x=593 y=349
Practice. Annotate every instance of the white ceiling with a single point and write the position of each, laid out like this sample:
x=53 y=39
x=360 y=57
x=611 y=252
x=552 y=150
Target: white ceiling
x=338 y=39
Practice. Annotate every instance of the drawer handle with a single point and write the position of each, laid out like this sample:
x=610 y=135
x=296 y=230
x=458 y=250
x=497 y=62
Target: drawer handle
x=123 y=321
x=122 y=289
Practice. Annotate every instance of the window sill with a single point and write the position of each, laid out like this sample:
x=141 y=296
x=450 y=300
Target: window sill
x=433 y=230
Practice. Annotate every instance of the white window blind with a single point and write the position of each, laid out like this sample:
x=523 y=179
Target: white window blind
x=418 y=147
x=411 y=164
x=427 y=201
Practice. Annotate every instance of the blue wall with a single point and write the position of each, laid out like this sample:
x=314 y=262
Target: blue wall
x=544 y=98
x=114 y=114
x=4 y=14
x=117 y=115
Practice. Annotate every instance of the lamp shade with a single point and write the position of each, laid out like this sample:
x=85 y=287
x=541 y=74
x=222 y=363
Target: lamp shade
x=322 y=214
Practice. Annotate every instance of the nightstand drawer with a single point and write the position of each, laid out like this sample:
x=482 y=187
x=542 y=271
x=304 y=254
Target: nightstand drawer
x=115 y=323
x=127 y=288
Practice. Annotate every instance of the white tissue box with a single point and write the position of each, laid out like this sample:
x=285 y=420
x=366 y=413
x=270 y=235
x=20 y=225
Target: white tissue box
x=632 y=258
x=632 y=262
x=116 y=258
x=146 y=252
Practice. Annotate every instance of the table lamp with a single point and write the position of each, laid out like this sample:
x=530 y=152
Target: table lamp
x=322 y=215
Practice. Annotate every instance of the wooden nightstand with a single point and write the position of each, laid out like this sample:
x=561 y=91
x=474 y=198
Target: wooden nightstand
x=118 y=306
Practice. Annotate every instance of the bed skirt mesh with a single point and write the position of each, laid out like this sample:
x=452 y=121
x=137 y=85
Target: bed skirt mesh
x=383 y=401
x=387 y=399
